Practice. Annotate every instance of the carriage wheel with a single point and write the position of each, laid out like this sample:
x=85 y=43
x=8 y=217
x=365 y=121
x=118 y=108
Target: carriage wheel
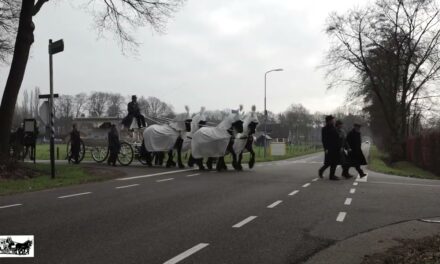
x=82 y=151
x=126 y=154
x=99 y=154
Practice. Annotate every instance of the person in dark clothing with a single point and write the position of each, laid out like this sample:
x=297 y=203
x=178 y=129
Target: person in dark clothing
x=332 y=147
x=344 y=150
x=355 y=155
x=75 y=145
x=134 y=112
x=113 y=145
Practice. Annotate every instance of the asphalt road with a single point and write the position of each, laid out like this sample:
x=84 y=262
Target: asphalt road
x=279 y=212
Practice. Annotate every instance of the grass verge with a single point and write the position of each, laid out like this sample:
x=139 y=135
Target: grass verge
x=65 y=175
x=402 y=168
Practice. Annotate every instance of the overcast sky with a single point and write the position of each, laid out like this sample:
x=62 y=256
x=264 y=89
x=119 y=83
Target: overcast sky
x=213 y=54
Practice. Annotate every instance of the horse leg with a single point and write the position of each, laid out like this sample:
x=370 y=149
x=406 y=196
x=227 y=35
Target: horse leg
x=191 y=161
x=170 y=162
x=240 y=158
x=199 y=163
x=179 y=145
x=252 y=158
x=209 y=163
x=148 y=158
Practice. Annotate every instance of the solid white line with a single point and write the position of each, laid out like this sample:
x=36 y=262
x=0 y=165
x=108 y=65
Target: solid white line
x=274 y=204
x=341 y=216
x=352 y=190
x=73 y=195
x=306 y=185
x=293 y=193
x=315 y=179
x=408 y=184
x=193 y=175
x=126 y=186
x=153 y=175
x=245 y=221
x=348 y=201
x=186 y=254
x=164 y=180
x=355 y=183
x=8 y=206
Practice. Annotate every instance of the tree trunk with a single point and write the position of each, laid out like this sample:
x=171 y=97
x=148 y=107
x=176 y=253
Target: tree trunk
x=23 y=42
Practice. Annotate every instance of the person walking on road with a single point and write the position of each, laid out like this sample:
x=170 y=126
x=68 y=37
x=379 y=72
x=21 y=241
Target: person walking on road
x=75 y=145
x=332 y=148
x=113 y=145
x=355 y=155
x=343 y=160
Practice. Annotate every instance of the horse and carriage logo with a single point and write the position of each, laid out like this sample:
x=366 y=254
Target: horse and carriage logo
x=16 y=246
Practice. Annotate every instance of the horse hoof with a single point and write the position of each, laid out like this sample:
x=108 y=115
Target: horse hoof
x=181 y=166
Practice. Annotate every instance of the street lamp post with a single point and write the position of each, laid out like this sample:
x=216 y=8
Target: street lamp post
x=265 y=110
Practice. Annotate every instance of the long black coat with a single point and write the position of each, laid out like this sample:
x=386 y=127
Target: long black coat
x=332 y=145
x=75 y=141
x=113 y=142
x=356 y=156
x=133 y=111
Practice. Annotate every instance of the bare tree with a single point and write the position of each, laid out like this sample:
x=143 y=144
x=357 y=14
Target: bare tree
x=80 y=103
x=154 y=107
x=116 y=15
x=388 y=51
x=64 y=106
x=115 y=103
x=97 y=104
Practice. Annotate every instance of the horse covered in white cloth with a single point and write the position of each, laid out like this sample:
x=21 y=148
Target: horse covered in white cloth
x=166 y=138
x=244 y=141
x=216 y=142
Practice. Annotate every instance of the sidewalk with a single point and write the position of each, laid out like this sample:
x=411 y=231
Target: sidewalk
x=353 y=250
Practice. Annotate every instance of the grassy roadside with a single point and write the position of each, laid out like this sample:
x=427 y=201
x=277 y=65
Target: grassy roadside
x=65 y=175
x=402 y=168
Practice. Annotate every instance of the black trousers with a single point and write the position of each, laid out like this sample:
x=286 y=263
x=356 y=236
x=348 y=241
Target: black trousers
x=140 y=121
x=332 y=169
x=113 y=156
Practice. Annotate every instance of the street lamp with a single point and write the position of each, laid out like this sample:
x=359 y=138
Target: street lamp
x=265 y=111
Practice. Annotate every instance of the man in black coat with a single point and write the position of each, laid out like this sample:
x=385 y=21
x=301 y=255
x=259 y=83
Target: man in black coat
x=114 y=146
x=355 y=155
x=134 y=112
x=332 y=147
x=75 y=144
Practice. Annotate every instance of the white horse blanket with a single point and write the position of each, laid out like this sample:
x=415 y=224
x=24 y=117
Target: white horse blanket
x=210 y=142
x=160 y=138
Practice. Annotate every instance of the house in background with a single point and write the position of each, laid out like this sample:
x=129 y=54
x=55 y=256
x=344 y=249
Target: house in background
x=275 y=133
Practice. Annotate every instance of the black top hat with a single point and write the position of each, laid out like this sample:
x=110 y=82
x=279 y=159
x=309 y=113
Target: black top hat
x=339 y=122
x=329 y=118
x=133 y=97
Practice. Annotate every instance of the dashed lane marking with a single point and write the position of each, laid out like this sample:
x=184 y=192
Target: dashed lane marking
x=352 y=190
x=355 y=183
x=315 y=179
x=245 y=221
x=9 y=206
x=126 y=186
x=74 y=195
x=187 y=253
x=293 y=193
x=164 y=180
x=341 y=217
x=306 y=185
x=348 y=201
x=153 y=175
x=193 y=175
x=274 y=204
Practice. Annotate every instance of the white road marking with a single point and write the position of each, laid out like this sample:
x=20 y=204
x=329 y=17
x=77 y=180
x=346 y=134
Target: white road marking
x=408 y=184
x=164 y=180
x=126 y=186
x=341 y=216
x=348 y=201
x=245 y=221
x=193 y=175
x=186 y=254
x=306 y=185
x=73 y=195
x=153 y=175
x=8 y=206
x=293 y=193
x=355 y=183
x=274 y=204
x=353 y=190
x=363 y=179
x=315 y=179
